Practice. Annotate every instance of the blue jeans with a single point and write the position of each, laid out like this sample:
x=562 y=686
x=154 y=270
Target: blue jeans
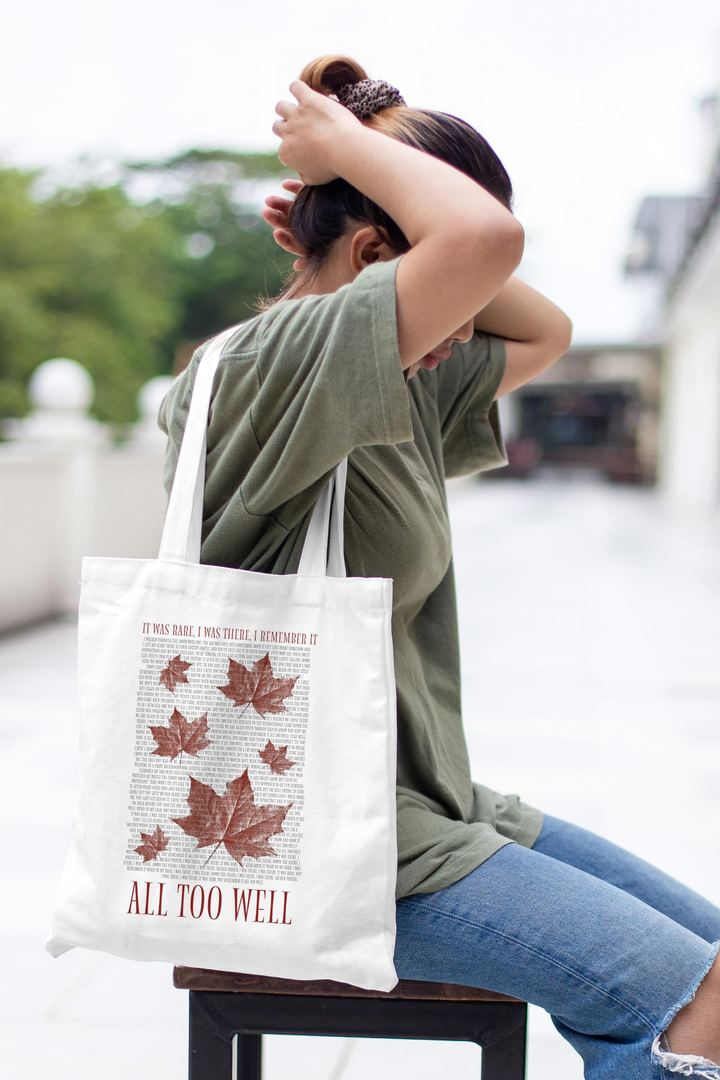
x=607 y=944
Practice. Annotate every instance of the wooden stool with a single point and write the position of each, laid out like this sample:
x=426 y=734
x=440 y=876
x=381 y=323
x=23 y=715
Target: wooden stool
x=230 y=1013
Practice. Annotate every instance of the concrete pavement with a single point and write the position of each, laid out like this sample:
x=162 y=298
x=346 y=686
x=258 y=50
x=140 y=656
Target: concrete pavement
x=590 y=629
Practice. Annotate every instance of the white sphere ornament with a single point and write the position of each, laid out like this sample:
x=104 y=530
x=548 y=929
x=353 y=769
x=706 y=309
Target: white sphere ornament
x=146 y=432
x=151 y=396
x=61 y=384
x=61 y=392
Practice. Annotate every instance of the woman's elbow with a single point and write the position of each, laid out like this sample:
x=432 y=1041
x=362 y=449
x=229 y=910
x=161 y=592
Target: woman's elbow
x=563 y=334
x=501 y=244
x=513 y=239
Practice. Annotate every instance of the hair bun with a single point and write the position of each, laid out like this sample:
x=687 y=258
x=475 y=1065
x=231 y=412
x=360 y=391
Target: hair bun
x=343 y=79
x=328 y=74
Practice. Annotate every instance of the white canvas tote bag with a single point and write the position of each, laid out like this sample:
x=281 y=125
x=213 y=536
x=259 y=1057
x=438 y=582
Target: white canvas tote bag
x=237 y=763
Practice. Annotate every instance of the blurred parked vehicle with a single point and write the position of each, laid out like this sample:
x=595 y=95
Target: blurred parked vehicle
x=596 y=410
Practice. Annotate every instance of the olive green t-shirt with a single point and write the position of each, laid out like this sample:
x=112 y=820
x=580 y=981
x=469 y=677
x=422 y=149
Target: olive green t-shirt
x=299 y=388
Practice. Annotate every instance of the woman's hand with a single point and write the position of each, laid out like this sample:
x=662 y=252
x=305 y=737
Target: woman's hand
x=309 y=130
x=464 y=244
x=276 y=214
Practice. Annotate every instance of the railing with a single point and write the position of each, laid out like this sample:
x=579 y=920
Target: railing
x=66 y=491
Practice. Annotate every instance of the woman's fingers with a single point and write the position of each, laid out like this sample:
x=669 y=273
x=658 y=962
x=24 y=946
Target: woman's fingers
x=275 y=213
x=306 y=131
x=272 y=217
x=295 y=186
x=276 y=218
x=286 y=240
x=285 y=108
x=301 y=90
x=276 y=202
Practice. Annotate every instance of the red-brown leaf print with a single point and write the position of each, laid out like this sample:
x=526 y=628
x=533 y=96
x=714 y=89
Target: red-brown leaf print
x=231 y=819
x=174 y=673
x=258 y=687
x=276 y=758
x=181 y=735
x=152 y=844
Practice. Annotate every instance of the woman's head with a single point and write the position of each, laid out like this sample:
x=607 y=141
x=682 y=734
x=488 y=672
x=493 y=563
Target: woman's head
x=320 y=215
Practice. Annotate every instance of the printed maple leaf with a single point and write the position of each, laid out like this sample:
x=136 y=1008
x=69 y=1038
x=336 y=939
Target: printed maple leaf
x=152 y=844
x=231 y=819
x=258 y=687
x=174 y=673
x=181 y=735
x=276 y=758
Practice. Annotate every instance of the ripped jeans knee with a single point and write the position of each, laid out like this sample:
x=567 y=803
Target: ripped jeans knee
x=671 y=1064
x=682 y=1064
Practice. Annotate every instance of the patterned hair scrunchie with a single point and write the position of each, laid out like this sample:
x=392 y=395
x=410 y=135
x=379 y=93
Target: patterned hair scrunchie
x=368 y=96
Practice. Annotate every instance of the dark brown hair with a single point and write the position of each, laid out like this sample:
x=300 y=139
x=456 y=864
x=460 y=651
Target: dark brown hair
x=321 y=214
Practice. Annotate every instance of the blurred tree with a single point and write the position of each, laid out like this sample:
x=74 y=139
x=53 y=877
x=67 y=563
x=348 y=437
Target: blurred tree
x=84 y=275
x=225 y=256
x=119 y=275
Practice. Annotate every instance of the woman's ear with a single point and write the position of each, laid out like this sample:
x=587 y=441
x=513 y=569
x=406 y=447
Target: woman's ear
x=368 y=245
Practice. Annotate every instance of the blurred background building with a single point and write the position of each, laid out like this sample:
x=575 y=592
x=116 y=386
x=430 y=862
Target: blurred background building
x=646 y=410
x=676 y=254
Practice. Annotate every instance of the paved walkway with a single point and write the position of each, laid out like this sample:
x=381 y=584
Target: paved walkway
x=591 y=634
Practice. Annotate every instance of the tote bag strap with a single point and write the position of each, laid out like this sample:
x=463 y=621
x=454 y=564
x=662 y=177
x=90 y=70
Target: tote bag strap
x=183 y=522
x=324 y=548
x=323 y=553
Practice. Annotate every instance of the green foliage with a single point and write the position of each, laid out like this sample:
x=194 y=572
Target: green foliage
x=75 y=282
x=226 y=256
x=120 y=282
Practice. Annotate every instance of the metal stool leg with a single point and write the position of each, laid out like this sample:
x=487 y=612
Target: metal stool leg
x=248 y=1056
x=210 y=1052
x=504 y=1058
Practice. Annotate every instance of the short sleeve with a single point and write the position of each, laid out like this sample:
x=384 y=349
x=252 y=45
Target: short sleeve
x=298 y=388
x=466 y=387
x=330 y=379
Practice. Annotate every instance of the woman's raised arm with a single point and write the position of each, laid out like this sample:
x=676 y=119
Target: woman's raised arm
x=464 y=243
x=536 y=332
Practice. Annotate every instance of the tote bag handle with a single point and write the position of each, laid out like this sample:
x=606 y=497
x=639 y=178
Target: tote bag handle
x=323 y=552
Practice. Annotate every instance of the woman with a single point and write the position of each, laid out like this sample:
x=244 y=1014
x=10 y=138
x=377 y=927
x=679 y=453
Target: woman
x=402 y=328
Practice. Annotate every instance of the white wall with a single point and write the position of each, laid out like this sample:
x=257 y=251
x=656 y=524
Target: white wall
x=690 y=432
x=31 y=538
x=129 y=505
x=59 y=506
x=66 y=492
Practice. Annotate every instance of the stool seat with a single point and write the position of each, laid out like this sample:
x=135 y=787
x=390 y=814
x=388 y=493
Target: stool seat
x=189 y=978
x=230 y=1011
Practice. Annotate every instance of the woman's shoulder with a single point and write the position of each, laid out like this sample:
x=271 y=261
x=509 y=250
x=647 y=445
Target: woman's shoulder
x=277 y=329
x=245 y=339
x=283 y=317
x=286 y=320
x=357 y=317
x=366 y=297
x=295 y=342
